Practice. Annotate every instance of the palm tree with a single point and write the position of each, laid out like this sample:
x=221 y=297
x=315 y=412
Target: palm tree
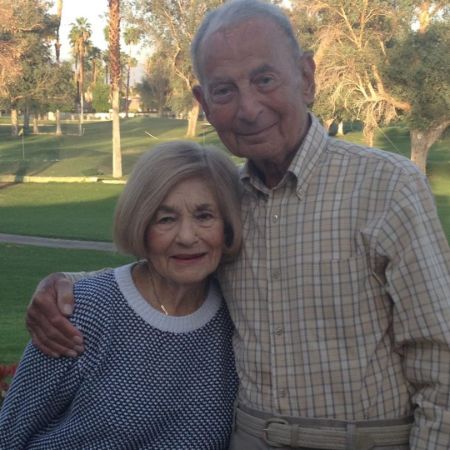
x=79 y=35
x=131 y=37
x=114 y=58
x=59 y=7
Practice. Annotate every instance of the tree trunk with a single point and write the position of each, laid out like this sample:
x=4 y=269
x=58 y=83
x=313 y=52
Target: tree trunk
x=421 y=141
x=35 y=124
x=327 y=124
x=127 y=103
x=26 y=120
x=14 y=122
x=80 y=125
x=114 y=58
x=117 y=154
x=58 y=123
x=340 y=130
x=192 y=120
x=369 y=135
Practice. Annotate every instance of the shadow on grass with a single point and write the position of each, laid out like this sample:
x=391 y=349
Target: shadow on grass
x=78 y=211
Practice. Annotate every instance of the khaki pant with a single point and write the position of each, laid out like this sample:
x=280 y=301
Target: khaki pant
x=242 y=440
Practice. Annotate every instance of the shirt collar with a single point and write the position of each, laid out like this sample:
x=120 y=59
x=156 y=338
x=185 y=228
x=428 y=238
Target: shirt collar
x=302 y=166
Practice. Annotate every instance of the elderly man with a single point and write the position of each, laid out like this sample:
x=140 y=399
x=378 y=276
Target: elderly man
x=340 y=296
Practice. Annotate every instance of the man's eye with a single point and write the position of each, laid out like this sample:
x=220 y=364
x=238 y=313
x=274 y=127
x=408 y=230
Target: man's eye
x=265 y=81
x=221 y=93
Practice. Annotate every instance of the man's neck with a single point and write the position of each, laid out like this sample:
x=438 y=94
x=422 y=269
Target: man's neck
x=270 y=171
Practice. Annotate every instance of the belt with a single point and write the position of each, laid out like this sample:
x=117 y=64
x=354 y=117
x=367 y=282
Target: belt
x=326 y=434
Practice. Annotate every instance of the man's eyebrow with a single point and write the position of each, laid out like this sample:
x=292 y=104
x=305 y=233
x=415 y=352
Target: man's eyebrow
x=219 y=80
x=262 y=69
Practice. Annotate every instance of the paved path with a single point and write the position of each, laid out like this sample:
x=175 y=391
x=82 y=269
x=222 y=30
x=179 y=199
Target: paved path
x=58 y=243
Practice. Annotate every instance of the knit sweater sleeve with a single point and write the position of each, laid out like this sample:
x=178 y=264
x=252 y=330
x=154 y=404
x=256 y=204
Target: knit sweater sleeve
x=41 y=391
x=43 y=387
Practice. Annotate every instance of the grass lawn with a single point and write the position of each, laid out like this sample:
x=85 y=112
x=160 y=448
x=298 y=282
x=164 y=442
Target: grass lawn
x=65 y=210
x=90 y=154
x=21 y=267
x=84 y=211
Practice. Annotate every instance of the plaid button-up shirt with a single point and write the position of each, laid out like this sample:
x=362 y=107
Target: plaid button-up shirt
x=340 y=297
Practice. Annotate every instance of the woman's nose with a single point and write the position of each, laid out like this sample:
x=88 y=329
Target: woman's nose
x=187 y=232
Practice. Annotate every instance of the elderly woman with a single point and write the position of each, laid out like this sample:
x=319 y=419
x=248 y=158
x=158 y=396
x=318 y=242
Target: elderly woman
x=158 y=370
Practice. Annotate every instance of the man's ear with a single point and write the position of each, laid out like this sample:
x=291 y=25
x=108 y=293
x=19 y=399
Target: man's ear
x=199 y=95
x=308 y=68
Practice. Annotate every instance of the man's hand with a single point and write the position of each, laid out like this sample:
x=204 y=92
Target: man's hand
x=47 y=322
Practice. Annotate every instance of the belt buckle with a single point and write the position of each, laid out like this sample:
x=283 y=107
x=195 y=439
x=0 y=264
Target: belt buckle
x=266 y=430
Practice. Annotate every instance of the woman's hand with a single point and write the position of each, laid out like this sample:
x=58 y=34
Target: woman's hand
x=47 y=318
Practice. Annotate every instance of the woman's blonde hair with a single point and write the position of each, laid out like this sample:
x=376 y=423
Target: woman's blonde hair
x=156 y=173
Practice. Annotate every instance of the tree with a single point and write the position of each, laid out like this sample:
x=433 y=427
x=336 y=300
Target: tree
x=79 y=37
x=131 y=37
x=100 y=97
x=114 y=57
x=93 y=72
x=170 y=26
x=59 y=7
x=26 y=34
x=363 y=52
x=350 y=39
x=154 y=88
x=418 y=72
x=12 y=27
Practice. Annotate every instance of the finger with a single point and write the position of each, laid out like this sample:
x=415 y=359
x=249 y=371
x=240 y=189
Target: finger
x=50 y=339
x=64 y=296
x=53 y=350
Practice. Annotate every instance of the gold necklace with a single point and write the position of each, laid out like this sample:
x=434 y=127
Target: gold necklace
x=163 y=308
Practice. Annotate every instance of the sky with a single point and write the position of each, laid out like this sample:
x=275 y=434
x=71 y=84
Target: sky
x=93 y=10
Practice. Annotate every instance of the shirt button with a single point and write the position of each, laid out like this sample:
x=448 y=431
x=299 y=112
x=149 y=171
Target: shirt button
x=275 y=218
x=282 y=393
x=276 y=274
x=279 y=331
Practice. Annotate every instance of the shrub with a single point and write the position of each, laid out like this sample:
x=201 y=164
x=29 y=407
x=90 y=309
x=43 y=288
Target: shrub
x=6 y=374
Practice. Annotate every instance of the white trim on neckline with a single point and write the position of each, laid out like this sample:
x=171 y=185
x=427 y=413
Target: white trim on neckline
x=157 y=319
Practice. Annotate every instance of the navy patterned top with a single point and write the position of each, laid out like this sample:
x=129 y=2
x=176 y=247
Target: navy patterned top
x=145 y=380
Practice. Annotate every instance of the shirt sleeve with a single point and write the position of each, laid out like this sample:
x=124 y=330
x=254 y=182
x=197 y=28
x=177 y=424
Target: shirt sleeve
x=77 y=276
x=418 y=281
x=41 y=391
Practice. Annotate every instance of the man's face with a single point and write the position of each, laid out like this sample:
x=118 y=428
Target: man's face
x=255 y=93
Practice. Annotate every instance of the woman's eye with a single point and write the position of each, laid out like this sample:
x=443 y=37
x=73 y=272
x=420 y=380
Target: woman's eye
x=165 y=220
x=203 y=217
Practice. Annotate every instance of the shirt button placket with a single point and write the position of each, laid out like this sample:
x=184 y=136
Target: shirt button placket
x=274 y=255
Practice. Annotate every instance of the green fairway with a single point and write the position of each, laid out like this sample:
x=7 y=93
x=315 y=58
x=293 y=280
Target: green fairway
x=65 y=210
x=90 y=154
x=21 y=267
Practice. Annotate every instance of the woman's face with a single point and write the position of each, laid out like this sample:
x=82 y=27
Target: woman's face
x=186 y=236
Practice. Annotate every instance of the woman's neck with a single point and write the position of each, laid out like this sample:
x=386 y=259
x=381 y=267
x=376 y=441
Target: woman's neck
x=171 y=299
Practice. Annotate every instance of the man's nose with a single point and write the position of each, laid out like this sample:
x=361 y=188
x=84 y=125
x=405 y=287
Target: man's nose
x=249 y=106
